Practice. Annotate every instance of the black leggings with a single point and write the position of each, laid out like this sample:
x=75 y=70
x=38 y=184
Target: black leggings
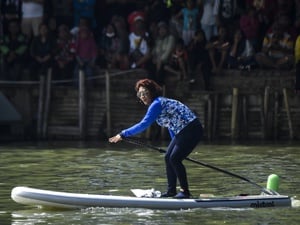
x=179 y=148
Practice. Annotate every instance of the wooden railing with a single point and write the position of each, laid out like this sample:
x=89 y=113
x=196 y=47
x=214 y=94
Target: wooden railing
x=79 y=111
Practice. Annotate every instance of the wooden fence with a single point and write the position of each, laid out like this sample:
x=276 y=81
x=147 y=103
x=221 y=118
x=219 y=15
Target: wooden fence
x=97 y=107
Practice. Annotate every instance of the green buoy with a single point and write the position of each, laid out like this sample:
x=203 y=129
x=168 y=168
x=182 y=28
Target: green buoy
x=273 y=182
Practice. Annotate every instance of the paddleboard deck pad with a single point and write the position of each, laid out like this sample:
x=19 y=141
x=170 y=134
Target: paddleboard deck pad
x=66 y=200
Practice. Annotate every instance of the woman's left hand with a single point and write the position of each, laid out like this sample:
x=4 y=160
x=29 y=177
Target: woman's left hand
x=115 y=138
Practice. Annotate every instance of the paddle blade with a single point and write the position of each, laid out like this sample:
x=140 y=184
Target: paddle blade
x=148 y=193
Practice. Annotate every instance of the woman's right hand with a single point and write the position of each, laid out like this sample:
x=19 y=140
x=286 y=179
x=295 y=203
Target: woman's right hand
x=115 y=138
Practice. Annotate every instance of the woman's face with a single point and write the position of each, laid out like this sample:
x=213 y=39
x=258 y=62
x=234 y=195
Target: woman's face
x=144 y=95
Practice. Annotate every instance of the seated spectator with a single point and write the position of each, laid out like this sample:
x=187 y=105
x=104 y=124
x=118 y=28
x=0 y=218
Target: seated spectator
x=277 y=49
x=139 y=52
x=42 y=50
x=297 y=61
x=250 y=26
x=13 y=51
x=178 y=63
x=85 y=52
x=218 y=50
x=161 y=52
x=109 y=44
x=123 y=51
x=241 y=53
x=64 y=54
x=199 y=60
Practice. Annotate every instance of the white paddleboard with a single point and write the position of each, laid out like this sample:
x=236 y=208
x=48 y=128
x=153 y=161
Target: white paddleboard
x=67 y=200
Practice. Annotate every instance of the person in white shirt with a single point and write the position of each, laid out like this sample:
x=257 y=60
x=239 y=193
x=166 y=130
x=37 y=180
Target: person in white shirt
x=139 y=51
x=208 y=20
x=32 y=16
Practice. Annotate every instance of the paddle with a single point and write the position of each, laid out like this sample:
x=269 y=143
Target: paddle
x=138 y=142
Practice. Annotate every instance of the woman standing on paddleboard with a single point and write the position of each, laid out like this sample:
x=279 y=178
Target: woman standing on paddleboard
x=184 y=127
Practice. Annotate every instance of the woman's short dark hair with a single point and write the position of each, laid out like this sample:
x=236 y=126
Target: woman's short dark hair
x=154 y=89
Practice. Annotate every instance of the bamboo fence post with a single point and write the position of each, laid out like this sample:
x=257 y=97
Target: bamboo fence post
x=266 y=100
x=209 y=118
x=215 y=117
x=276 y=114
x=40 y=106
x=262 y=120
x=266 y=111
x=288 y=113
x=234 y=113
x=47 y=102
x=108 y=104
x=82 y=105
x=245 y=116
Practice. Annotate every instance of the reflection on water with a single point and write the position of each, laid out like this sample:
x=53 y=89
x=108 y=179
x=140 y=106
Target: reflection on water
x=115 y=169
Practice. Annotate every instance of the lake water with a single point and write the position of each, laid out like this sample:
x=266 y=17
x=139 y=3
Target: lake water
x=102 y=168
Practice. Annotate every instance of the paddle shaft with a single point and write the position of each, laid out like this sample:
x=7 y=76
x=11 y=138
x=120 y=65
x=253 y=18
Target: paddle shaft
x=137 y=142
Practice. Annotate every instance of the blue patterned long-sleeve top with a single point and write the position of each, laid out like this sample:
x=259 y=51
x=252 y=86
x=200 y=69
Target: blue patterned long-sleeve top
x=168 y=113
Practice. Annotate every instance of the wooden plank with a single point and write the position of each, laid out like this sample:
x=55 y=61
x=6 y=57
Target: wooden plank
x=209 y=119
x=47 y=103
x=234 y=120
x=288 y=113
x=82 y=105
x=40 y=106
x=245 y=116
x=276 y=115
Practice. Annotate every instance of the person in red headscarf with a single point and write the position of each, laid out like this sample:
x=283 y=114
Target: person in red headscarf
x=133 y=17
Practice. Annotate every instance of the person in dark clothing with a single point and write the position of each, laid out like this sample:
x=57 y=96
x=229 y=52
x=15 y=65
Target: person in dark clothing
x=41 y=51
x=13 y=50
x=64 y=56
x=199 y=59
x=241 y=53
x=218 y=47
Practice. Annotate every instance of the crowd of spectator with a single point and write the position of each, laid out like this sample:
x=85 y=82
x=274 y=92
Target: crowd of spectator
x=180 y=38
